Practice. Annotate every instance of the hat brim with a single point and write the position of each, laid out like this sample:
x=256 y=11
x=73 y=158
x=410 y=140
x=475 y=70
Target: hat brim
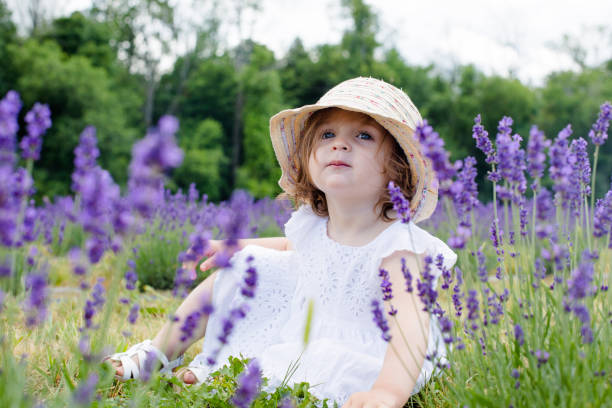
x=287 y=126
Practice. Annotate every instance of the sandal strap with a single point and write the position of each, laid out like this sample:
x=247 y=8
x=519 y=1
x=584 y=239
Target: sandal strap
x=142 y=351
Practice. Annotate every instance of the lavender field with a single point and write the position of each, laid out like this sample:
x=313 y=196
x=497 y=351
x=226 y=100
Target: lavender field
x=525 y=313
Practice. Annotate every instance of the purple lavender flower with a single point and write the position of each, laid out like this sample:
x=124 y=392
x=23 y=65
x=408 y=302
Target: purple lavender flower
x=84 y=394
x=544 y=205
x=380 y=320
x=9 y=206
x=85 y=155
x=121 y=219
x=133 y=316
x=36 y=301
x=76 y=258
x=483 y=274
x=30 y=233
x=199 y=244
x=446 y=327
x=23 y=183
x=515 y=374
x=561 y=160
x=5 y=269
x=250 y=280
x=587 y=334
x=482 y=141
x=151 y=156
x=494 y=236
x=38 y=120
x=536 y=157
x=189 y=325
x=98 y=194
x=193 y=194
x=95 y=304
x=89 y=312
x=581 y=172
x=457 y=293
x=148 y=366
x=407 y=276
x=602 y=217
x=519 y=335
x=425 y=287
x=522 y=216
x=465 y=197
x=32 y=253
x=182 y=281
x=400 y=204
x=249 y=383
x=385 y=285
x=236 y=226
x=192 y=320
x=131 y=277
x=447 y=278
x=229 y=322
x=10 y=106
x=472 y=307
x=542 y=356
x=599 y=132
x=432 y=146
x=505 y=148
x=579 y=285
x=511 y=158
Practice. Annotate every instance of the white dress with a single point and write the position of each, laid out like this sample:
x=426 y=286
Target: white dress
x=345 y=351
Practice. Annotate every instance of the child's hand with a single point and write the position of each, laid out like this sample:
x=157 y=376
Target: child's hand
x=375 y=398
x=213 y=250
x=214 y=247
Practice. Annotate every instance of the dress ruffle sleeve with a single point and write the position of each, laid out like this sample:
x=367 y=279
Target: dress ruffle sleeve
x=410 y=237
x=302 y=222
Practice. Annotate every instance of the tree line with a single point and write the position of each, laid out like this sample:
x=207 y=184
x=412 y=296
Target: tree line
x=96 y=68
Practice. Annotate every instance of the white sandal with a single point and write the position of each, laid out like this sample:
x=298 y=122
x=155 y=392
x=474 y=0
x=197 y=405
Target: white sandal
x=132 y=370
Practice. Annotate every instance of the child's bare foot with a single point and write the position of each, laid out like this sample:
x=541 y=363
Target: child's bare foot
x=189 y=378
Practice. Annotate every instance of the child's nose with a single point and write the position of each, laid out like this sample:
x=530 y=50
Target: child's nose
x=340 y=144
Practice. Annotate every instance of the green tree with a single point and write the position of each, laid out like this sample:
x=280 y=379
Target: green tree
x=259 y=171
x=8 y=35
x=360 y=40
x=575 y=97
x=204 y=158
x=78 y=95
x=79 y=35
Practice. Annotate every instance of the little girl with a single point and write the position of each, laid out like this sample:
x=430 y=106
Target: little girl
x=337 y=158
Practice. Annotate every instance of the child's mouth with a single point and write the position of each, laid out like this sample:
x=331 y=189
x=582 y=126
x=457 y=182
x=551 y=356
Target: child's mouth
x=338 y=164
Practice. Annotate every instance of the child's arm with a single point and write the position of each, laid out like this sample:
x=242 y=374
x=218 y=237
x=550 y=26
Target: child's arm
x=395 y=382
x=280 y=243
x=214 y=246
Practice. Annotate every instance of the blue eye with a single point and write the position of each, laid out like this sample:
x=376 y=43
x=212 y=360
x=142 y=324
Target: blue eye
x=365 y=136
x=327 y=135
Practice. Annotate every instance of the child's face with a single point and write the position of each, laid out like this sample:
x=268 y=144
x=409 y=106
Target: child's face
x=348 y=154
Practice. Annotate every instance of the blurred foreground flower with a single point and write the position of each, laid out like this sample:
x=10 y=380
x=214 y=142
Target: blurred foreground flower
x=249 y=383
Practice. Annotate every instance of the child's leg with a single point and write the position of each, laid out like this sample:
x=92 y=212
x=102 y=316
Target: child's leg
x=168 y=339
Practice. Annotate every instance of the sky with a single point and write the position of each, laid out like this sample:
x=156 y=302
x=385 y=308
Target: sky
x=497 y=36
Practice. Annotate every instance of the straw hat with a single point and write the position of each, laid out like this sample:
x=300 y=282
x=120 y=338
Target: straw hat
x=386 y=104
